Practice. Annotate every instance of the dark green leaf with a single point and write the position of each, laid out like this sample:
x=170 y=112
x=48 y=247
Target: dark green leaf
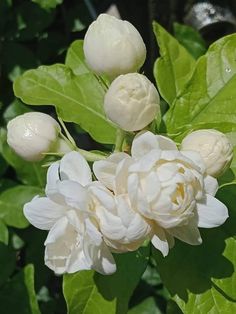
x=3 y=233
x=175 y=66
x=147 y=306
x=16 y=108
x=48 y=4
x=7 y=263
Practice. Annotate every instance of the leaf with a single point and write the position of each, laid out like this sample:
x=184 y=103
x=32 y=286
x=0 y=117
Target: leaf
x=18 y=295
x=210 y=95
x=175 y=66
x=31 y=173
x=7 y=264
x=190 y=39
x=16 y=108
x=75 y=58
x=88 y=292
x=12 y=202
x=202 y=279
x=78 y=99
x=147 y=306
x=3 y=233
x=48 y=4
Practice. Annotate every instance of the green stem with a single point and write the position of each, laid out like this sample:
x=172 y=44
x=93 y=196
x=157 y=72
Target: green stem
x=120 y=137
x=91 y=156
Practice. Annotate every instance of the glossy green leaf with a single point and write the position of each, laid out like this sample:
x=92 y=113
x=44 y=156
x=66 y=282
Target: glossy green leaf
x=190 y=39
x=209 y=98
x=4 y=235
x=75 y=58
x=31 y=173
x=147 y=306
x=174 y=67
x=48 y=4
x=12 y=202
x=88 y=292
x=202 y=278
x=18 y=295
x=7 y=263
x=77 y=99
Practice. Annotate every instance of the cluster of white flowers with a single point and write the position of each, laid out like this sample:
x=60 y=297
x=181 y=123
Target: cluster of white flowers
x=156 y=193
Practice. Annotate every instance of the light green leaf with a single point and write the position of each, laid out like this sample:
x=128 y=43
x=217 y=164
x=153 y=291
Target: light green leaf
x=210 y=95
x=48 y=4
x=147 y=306
x=78 y=99
x=18 y=295
x=202 y=278
x=31 y=173
x=175 y=66
x=75 y=58
x=4 y=235
x=12 y=202
x=190 y=39
x=88 y=292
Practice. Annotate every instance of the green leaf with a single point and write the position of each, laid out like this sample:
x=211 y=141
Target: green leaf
x=175 y=66
x=4 y=235
x=190 y=39
x=202 y=278
x=209 y=98
x=31 y=173
x=77 y=99
x=18 y=295
x=88 y=292
x=7 y=263
x=75 y=58
x=12 y=202
x=147 y=306
x=48 y=4
x=16 y=108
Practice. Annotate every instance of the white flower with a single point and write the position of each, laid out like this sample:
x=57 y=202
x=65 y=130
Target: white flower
x=214 y=148
x=123 y=228
x=166 y=186
x=131 y=102
x=74 y=241
x=113 y=46
x=32 y=134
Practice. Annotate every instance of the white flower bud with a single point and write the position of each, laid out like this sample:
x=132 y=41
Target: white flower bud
x=214 y=148
x=131 y=102
x=113 y=46
x=32 y=134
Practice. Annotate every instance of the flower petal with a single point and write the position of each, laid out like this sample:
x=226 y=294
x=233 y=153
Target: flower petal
x=211 y=185
x=52 y=178
x=43 y=213
x=161 y=241
x=143 y=143
x=166 y=143
x=211 y=212
x=73 y=166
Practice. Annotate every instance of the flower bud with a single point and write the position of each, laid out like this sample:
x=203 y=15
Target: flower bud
x=131 y=102
x=113 y=46
x=32 y=134
x=214 y=148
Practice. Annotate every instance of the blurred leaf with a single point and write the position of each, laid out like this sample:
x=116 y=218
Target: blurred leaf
x=48 y=4
x=147 y=306
x=4 y=235
x=151 y=276
x=88 y=292
x=6 y=184
x=190 y=39
x=174 y=67
x=17 y=242
x=75 y=58
x=31 y=173
x=172 y=308
x=18 y=295
x=16 y=108
x=3 y=167
x=12 y=202
x=78 y=99
x=16 y=58
x=78 y=17
x=209 y=98
x=5 y=7
x=7 y=264
x=202 y=279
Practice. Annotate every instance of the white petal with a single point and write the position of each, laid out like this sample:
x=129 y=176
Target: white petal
x=211 y=185
x=105 y=170
x=196 y=158
x=73 y=166
x=166 y=143
x=146 y=162
x=187 y=233
x=74 y=194
x=211 y=212
x=143 y=143
x=160 y=241
x=52 y=178
x=43 y=213
x=77 y=261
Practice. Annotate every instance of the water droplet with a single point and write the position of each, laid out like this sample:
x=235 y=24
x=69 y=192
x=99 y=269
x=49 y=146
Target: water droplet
x=228 y=70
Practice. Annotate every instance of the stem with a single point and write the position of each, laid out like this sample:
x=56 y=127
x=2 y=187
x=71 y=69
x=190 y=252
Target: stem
x=120 y=137
x=90 y=156
x=69 y=137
